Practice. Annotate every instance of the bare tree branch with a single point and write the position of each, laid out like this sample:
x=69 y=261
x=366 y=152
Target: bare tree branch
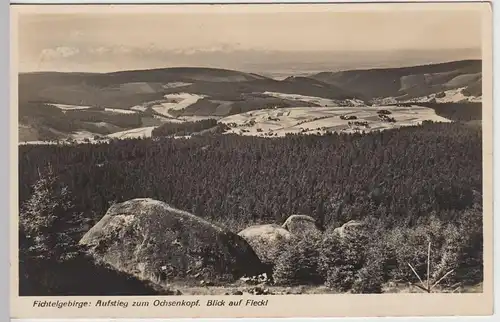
x=420 y=287
x=442 y=278
x=429 y=266
x=416 y=274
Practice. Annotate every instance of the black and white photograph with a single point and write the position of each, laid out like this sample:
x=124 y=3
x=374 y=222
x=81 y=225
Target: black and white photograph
x=269 y=152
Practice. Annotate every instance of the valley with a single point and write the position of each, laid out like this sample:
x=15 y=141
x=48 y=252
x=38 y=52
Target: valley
x=77 y=108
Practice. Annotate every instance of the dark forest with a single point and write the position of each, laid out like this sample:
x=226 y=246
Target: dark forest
x=396 y=176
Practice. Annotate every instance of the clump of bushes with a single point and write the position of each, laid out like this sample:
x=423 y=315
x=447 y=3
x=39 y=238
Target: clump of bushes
x=298 y=262
x=349 y=263
x=341 y=263
x=362 y=261
x=456 y=246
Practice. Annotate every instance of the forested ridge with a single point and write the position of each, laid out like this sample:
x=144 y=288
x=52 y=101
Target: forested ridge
x=188 y=128
x=397 y=176
x=463 y=112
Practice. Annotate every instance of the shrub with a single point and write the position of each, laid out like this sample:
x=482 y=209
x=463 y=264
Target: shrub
x=368 y=280
x=352 y=263
x=298 y=262
x=409 y=246
x=341 y=278
x=462 y=250
x=456 y=245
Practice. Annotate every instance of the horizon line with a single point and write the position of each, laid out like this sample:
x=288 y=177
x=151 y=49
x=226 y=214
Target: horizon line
x=240 y=70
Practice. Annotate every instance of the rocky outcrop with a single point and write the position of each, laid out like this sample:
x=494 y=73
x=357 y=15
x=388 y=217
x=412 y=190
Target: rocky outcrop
x=301 y=224
x=152 y=240
x=348 y=227
x=266 y=240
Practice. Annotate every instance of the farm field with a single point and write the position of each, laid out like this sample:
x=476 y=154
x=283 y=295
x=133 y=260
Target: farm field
x=449 y=96
x=316 y=100
x=176 y=102
x=278 y=122
x=68 y=107
x=71 y=107
x=134 y=133
x=313 y=120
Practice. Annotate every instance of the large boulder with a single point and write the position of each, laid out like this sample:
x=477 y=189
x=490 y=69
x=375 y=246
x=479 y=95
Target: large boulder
x=349 y=227
x=300 y=225
x=152 y=240
x=266 y=241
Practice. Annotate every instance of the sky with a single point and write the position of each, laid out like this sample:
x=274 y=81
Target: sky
x=102 y=42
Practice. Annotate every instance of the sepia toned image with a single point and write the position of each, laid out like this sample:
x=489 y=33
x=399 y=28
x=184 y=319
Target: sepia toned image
x=251 y=160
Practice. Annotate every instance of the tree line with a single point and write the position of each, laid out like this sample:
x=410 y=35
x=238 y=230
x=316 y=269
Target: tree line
x=396 y=176
x=410 y=186
x=183 y=128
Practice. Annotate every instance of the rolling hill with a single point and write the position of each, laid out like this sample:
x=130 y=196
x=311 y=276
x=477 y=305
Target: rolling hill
x=128 y=88
x=409 y=82
x=56 y=105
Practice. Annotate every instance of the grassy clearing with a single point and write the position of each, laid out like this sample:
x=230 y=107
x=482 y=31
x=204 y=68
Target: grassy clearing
x=319 y=120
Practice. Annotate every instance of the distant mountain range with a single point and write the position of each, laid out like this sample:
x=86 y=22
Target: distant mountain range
x=53 y=105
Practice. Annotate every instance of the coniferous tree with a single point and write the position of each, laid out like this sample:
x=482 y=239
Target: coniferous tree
x=48 y=220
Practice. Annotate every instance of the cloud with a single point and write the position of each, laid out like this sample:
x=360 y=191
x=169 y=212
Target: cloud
x=122 y=50
x=155 y=49
x=102 y=50
x=215 y=48
x=59 y=52
x=99 y=50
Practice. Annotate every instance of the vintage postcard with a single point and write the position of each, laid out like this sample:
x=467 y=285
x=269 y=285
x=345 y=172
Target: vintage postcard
x=319 y=160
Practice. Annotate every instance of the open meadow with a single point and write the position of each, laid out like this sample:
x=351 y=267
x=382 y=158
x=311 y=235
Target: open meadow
x=319 y=120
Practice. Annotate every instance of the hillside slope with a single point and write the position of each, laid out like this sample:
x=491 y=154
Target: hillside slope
x=79 y=106
x=56 y=105
x=409 y=82
x=128 y=88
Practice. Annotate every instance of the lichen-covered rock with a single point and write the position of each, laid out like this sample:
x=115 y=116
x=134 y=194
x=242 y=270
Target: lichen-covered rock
x=266 y=241
x=299 y=225
x=152 y=240
x=345 y=229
